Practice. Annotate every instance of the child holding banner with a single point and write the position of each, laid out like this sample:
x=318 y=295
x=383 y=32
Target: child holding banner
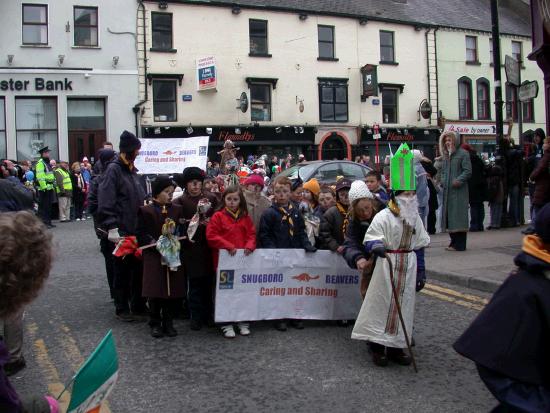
x=282 y=226
x=335 y=220
x=231 y=228
x=161 y=285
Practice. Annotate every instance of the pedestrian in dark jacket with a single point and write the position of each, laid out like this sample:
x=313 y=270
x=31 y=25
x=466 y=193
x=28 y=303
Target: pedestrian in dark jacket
x=198 y=207
x=335 y=220
x=514 y=181
x=119 y=197
x=282 y=226
x=162 y=283
x=477 y=190
x=495 y=195
x=79 y=191
x=541 y=177
x=510 y=338
x=433 y=204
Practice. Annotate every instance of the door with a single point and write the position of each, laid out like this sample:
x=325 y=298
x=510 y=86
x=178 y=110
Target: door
x=334 y=148
x=85 y=143
x=87 y=131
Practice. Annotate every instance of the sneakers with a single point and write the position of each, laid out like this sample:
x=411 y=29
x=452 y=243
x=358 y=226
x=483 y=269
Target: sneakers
x=78 y=219
x=228 y=331
x=244 y=329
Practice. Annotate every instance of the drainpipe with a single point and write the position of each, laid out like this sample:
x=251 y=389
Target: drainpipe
x=136 y=109
x=436 y=74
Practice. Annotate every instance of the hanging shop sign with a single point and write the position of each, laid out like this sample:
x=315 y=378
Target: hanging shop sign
x=369 y=77
x=206 y=73
x=400 y=134
x=511 y=68
x=475 y=128
x=39 y=83
x=528 y=91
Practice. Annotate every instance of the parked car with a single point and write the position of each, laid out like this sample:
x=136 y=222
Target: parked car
x=326 y=172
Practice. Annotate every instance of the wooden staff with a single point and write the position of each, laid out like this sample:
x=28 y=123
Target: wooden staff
x=395 y=297
x=168 y=279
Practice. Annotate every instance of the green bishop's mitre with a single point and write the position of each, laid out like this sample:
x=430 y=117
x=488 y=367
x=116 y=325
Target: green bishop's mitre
x=402 y=171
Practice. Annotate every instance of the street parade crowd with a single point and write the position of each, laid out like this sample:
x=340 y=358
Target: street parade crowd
x=161 y=240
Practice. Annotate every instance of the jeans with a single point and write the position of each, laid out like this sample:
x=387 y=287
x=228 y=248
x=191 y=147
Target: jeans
x=477 y=216
x=513 y=209
x=496 y=214
x=127 y=285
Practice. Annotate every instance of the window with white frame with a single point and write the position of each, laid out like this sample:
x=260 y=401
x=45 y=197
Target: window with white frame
x=333 y=100
x=390 y=105
x=164 y=100
x=465 y=98
x=36 y=126
x=517 y=52
x=471 y=49
x=35 y=24
x=483 y=100
x=260 y=101
x=161 y=28
x=86 y=26
x=3 y=152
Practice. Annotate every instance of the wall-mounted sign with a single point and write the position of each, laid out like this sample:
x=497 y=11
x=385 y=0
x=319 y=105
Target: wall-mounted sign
x=369 y=80
x=528 y=90
x=511 y=68
x=187 y=98
x=206 y=73
x=376 y=102
x=400 y=134
x=475 y=128
x=39 y=83
x=245 y=136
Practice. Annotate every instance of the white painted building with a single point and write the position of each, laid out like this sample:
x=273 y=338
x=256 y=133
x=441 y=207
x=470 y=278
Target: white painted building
x=68 y=76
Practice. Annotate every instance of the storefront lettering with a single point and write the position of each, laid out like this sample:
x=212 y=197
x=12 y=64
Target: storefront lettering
x=392 y=136
x=243 y=137
x=39 y=84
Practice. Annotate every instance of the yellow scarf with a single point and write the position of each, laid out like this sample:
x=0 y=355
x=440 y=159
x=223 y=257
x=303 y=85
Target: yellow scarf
x=234 y=215
x=288 y=217
x=129 y=164
x=343 y=211
x=534 y=246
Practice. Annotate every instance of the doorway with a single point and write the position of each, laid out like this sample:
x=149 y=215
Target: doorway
x=85 y=143
x=334 y=147
x=86 y=120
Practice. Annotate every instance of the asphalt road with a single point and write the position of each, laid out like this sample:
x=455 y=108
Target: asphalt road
x=318 y=369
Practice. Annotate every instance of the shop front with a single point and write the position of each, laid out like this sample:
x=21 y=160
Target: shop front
x=480 y=135
x=424 y=139
x=272 y=141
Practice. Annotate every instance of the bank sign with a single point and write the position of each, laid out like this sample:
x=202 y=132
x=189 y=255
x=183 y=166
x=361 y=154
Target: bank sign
x=38 y=83
x=206 y=73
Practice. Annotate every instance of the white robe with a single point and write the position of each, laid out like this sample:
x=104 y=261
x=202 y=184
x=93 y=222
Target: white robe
x=378 y=320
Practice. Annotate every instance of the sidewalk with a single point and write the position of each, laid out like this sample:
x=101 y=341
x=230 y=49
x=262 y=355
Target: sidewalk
x=485 y=264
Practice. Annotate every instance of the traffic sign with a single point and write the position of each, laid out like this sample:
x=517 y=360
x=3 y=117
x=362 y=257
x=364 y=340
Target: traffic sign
x=528 y=90
x=511 y=67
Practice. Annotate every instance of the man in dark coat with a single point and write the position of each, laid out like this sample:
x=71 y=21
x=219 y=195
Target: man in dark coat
x=196 y=254
x=477 y=190
x=119 y=195
x=541 y=177
x=510 y=338
x=514 y=181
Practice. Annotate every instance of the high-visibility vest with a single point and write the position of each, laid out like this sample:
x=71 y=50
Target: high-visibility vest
x=44 y=176
x=67 y=183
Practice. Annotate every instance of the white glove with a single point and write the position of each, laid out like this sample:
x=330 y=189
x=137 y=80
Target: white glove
x=113 y=235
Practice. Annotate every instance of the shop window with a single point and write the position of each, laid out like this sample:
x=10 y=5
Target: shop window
x=387 y=50
x=86 y=114
x=483 y=102
x=390 y=105
x=258 y=37
x=464 y=98
x=35 y=24
x=164 y=100
x=260 y=101
x=333 y=105
x=85 y=26
x=3 y=151
x=36 y=126
x=161 y=28
x=326 y=41
x=471 y=49
x=528 y=111
x=511 y=102
x=517 y=52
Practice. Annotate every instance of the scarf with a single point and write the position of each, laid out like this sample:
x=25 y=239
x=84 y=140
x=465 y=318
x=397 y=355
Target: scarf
x=287 y=216
x=234 y=215
x=129 y=164
x=344 y=214
x=534 y=246
x=80 y=180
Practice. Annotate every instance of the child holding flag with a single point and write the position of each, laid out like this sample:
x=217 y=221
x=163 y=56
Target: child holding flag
x=163 y=277
x=231 y=228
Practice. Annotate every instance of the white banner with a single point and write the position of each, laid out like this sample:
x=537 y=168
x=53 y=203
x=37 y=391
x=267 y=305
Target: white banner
x=476 y=128
x=272 y=284
x=172 y=155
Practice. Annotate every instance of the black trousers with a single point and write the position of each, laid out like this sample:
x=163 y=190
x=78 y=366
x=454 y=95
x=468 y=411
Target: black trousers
x=200 y=299
x=107 y=247
x=78 y=204
x=432 y=219
x=458 y=240
x=161 y=310
x=128 y=273
x=477 y=216
x=45 y=201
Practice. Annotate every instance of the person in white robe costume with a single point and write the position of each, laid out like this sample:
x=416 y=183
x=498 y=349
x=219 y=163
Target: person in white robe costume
x=399 y=232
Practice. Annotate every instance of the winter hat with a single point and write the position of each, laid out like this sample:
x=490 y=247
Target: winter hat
x=128 y=142
x=190 y=173
x=343 y=183
x=160 y=183
x=313 y=186
x=105 y=155
x=542 y=223
x=254 y=179
x=359 y=190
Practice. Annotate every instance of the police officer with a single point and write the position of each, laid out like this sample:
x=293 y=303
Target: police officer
x=46 y=187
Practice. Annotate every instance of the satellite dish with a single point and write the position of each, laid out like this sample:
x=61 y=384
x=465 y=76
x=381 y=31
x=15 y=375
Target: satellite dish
x=243 y=102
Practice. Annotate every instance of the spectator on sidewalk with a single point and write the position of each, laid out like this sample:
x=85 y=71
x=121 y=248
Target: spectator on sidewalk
x=477 y=190
x=64 y=189
x=79 y=191
x=541 y=177
x=514 y=180
x=495 y=195
x=422 y=191
x=456 y=170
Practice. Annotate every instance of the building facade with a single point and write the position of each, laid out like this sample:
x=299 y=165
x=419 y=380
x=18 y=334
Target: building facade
x=68 y=77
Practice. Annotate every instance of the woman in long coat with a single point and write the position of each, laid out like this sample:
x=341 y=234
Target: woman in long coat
x=456 y=170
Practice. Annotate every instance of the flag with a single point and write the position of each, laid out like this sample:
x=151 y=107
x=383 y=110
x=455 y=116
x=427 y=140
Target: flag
x=402 y=172
x=96 y=378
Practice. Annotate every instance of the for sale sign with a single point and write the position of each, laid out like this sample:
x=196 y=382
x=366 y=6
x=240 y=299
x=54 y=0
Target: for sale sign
x=206 y=73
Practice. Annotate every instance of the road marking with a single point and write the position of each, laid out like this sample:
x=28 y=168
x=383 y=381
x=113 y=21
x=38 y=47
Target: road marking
x=452 y=299
x=454 y=293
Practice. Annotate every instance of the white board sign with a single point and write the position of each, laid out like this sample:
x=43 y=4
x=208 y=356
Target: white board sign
x=272 y=284
x=171 y=155
x=476 y=128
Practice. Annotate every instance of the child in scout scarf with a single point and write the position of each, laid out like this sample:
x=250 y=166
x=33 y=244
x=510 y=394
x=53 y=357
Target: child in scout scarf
x=309 y=207
x=163 y=276
x=333 y=229
x=256 y=201
x=327 y=200
x=395 y=233
x=231 y=228
x=282 y=226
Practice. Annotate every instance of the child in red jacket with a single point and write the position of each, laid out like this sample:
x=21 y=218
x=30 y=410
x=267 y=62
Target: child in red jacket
x=230 y=228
